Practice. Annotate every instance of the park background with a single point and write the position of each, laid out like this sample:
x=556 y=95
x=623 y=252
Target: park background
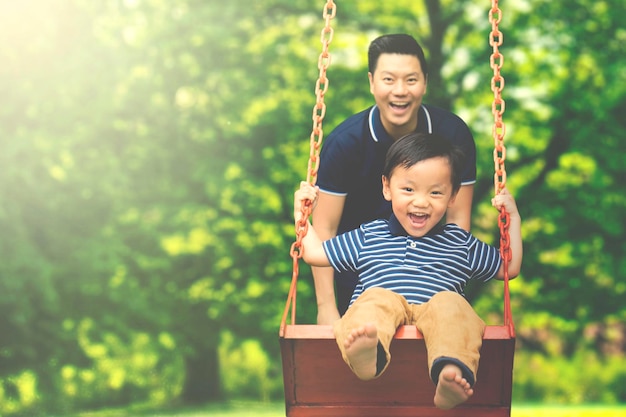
x=149 y=154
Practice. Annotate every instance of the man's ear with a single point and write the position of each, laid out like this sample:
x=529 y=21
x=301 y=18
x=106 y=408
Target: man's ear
x=386 y=189
x=370 y=76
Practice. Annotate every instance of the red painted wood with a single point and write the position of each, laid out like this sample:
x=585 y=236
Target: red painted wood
x=322 y=385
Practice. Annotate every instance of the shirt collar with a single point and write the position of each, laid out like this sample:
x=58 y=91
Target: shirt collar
x=395 y=228
x=379 y=133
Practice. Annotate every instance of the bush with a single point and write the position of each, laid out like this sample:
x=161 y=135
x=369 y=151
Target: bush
x=586 y=377
x=247 y=371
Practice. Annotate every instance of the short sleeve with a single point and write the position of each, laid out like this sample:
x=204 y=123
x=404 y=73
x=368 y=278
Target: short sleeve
x=484 y=260
x=343 y=250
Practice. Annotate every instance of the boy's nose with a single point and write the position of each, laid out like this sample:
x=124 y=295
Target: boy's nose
x=420 y=201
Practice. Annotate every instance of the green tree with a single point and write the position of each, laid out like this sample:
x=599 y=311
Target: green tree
x=151 y=150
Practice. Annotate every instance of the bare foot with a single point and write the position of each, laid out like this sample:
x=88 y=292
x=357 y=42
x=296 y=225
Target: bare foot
x=452 y=388
x=361 y=349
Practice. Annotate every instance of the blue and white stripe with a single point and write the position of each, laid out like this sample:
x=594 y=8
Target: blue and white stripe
x=417 y=268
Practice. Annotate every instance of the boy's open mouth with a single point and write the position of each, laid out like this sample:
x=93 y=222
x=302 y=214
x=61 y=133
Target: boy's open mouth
x=418 y=219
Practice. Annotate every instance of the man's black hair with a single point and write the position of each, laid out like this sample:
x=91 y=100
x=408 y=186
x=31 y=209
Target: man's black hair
x=399 y=43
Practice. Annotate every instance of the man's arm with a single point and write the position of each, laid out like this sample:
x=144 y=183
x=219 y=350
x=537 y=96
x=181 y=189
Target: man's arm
x=326 y=217
x=460 y=213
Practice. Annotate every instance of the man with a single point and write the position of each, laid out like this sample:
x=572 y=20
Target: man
x=352 y=158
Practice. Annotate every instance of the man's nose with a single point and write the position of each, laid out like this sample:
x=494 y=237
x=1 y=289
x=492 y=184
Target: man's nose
x=399 y=88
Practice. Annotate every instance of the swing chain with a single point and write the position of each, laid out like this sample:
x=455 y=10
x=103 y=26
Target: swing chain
x=321 y=87
x=499 y=152
x=317 y=135
x=498 y=105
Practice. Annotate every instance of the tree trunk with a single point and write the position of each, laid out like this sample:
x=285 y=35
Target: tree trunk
x=202 y=380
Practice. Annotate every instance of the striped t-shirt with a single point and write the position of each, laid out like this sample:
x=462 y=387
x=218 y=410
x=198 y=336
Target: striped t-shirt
x=383 y=255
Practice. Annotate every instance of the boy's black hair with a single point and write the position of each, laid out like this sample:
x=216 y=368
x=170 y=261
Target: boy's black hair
x=415 y=147
x=395 y=44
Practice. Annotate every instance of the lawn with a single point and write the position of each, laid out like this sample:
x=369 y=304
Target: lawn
x=521 y=410
x=251 y=409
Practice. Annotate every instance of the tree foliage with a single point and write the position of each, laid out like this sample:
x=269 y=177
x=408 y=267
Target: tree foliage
x=151 y=150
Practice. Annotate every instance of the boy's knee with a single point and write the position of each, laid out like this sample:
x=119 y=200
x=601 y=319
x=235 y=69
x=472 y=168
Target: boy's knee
x=452 y=301
x=376 y=294
x=452 y=304
x=449 y=296
x=375 y=291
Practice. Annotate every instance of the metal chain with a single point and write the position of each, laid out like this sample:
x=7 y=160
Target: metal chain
x=317 y=135
x=321 y=87
x=499 y=152
x=497 y=108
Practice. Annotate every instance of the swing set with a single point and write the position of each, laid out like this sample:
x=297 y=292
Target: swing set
x=316 y=380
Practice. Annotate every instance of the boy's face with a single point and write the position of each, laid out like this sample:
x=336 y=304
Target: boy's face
x=420 y=195
x=398 y=85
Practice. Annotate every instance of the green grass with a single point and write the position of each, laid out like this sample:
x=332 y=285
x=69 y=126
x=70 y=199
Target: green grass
x=252 y=409
x=521 y=410
x=538 y=410
x=232 y=409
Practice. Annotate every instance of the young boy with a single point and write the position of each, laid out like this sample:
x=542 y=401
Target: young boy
x=412 y=269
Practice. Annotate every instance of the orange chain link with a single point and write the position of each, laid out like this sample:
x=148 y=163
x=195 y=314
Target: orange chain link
x=499 y=152
x=497 y=108
x=317 y=135
x=321 y=87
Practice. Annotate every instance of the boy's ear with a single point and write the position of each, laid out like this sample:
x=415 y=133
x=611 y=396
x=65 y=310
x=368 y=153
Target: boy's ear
x=386 y=189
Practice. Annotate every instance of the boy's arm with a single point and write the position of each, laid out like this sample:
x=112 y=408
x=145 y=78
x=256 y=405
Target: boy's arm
x=312 y=249
x=506 y=200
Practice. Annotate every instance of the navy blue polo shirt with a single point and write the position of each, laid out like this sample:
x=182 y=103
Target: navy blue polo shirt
x=353 y=157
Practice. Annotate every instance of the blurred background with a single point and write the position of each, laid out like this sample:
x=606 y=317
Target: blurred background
x=149 y=150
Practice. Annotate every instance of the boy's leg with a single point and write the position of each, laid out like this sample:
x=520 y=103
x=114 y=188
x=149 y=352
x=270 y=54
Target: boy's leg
x=453 y=333
x=365 y=332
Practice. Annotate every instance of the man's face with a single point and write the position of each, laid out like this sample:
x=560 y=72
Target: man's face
x=398 y=85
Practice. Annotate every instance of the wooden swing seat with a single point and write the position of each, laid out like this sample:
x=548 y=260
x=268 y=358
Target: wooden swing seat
x=318 y=383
